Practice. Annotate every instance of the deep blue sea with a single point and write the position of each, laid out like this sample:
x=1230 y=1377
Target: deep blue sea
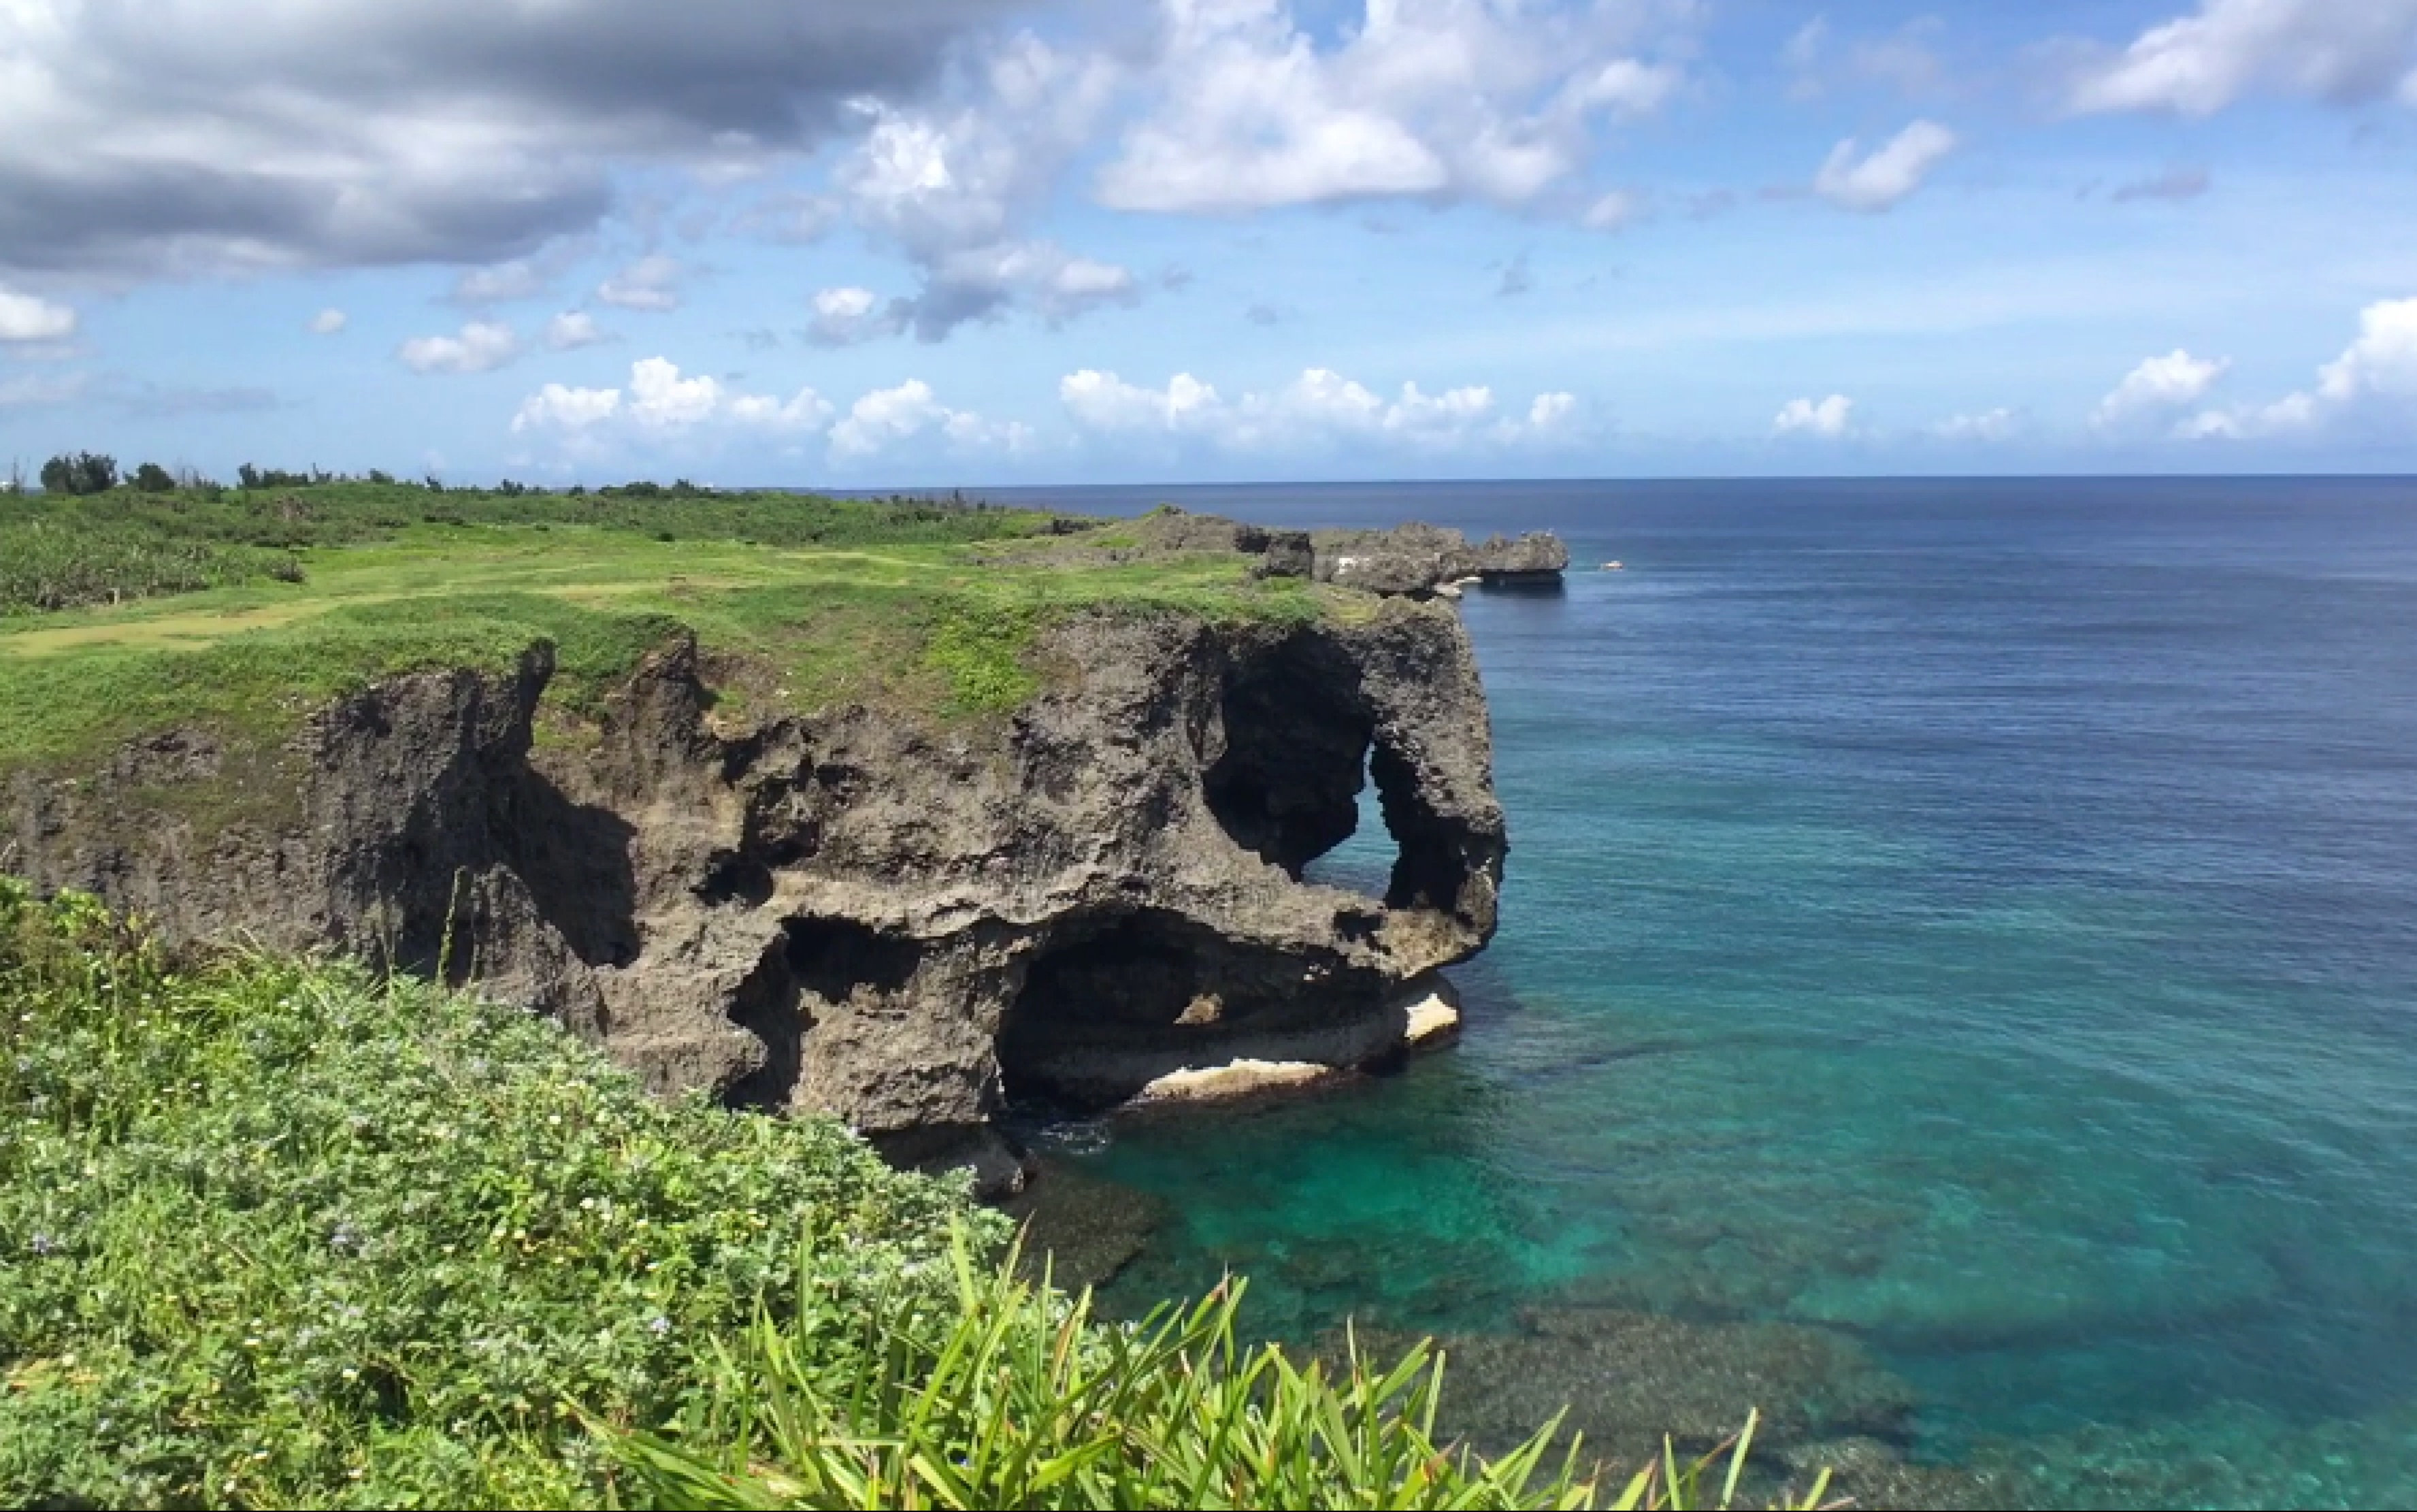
x=1976 y=918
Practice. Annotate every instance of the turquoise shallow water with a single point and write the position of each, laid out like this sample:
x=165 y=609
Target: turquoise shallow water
x=1979 y=920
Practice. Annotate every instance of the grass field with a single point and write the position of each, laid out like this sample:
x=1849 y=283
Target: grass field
x=799 y=604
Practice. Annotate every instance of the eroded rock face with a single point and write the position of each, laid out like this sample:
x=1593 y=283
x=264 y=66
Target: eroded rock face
x=1422 y=559
x=850 y=913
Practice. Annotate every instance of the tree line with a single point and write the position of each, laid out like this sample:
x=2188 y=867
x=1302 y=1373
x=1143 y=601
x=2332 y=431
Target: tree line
x=80 y=474
x=83 y=473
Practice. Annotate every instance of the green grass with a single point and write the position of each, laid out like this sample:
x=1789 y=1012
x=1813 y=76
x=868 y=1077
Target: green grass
x=800 y=605
x=353 y=514
x=275 y=1234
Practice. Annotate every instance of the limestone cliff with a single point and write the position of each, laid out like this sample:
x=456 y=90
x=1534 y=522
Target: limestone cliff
x=857 y=912
x=1420 y=558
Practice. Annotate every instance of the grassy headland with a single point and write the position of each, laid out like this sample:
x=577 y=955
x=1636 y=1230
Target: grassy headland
x=240 y=611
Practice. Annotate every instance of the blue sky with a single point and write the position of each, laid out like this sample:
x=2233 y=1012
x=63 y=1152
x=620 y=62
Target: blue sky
x=935 y=242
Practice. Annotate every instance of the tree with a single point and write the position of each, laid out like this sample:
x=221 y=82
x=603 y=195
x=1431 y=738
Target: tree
x=16 y=480
x=84 y=473
x=153 y=478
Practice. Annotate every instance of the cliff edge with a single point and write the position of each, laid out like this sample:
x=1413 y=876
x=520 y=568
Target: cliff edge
x=855 y=910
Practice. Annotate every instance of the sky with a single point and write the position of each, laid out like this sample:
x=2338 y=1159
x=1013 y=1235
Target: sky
x=928 y=243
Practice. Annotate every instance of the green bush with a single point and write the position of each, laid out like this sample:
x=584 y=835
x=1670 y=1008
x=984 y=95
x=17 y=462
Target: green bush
x=83 y=473
x=64 y=563
x=274 y=1234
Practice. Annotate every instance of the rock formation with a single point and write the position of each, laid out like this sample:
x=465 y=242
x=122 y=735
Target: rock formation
x=855 y=911
x=1422 y=559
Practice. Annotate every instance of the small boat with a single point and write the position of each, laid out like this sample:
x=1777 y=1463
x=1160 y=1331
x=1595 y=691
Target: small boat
x=1614 y=567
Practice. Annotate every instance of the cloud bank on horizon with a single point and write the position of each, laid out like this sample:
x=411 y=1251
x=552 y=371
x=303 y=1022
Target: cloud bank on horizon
x=993 y=240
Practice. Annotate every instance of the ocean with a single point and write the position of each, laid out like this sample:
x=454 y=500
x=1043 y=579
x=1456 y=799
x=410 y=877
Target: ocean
x=1974 y=922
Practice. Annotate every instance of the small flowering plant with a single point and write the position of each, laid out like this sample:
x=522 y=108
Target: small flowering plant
x=272 y=1231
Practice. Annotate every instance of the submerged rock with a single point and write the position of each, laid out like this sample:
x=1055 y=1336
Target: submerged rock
x=854 y=913
x=1628 y=1379
x=1080 y=1230
x=1869 y=1474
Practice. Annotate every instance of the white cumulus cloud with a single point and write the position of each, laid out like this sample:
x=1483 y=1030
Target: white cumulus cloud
x=886 y=418
x=1889 y=173
x=2199 y=64
x=2373 y=381
x=660 y=397
x=2157 y=388
x=481 y=347
x=1103 y=402
x=572 y=329
x=846 y=316
x=563 y=408
x=25 y=317
x=1825 y=417
x=953 y=182
x=1475 y=97
x=1321 y=407
x=329 y=321
x=1986 y=425
x=652 y=283
x=660 y=400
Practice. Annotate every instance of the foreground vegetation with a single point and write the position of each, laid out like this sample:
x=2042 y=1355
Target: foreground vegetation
x=240 y=610
x=274 y=1234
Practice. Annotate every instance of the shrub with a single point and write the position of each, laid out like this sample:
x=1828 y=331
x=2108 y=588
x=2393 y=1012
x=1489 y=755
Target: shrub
x=273 y=1233
x=84 y=473
x=151 y=478
x=62 y=563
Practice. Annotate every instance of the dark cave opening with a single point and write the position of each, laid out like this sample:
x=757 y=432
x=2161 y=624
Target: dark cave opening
x=1430 y=869
x=735 y=878
x=1106 y=985
x=1287 y=784
x=817 y=965
x=838 y=959
x=1302 y=749
x=1111 y=994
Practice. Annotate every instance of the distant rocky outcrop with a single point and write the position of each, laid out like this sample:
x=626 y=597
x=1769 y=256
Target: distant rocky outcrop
x=1422 y=559
x=855 y=911
x=1163 y=532
x=1413 y=561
